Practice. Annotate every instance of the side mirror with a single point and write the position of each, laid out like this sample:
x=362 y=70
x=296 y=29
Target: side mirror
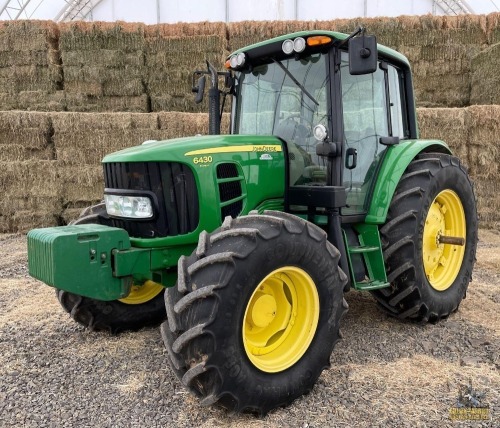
x=363 y=55
x=199 y=89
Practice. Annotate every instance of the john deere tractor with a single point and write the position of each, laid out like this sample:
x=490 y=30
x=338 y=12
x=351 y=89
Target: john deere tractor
x=244 y=244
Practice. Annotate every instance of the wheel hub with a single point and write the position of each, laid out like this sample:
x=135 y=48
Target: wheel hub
x=442 y=260
x=280 y=319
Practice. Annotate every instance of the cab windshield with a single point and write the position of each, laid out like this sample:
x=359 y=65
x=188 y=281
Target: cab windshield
x=287 y=99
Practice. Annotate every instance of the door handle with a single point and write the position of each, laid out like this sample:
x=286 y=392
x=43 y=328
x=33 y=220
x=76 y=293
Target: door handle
x=351 y=158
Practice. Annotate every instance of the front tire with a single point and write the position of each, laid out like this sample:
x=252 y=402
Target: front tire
x=255 y=314
x=143 y=307
x=428 y=278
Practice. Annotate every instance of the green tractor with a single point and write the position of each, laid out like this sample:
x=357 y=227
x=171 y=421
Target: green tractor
x=243 y=245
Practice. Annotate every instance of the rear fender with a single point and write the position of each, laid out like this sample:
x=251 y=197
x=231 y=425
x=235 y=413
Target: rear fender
x=395 y=162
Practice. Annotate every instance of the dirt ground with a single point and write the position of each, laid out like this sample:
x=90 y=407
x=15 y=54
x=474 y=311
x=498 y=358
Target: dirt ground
x=384 y=372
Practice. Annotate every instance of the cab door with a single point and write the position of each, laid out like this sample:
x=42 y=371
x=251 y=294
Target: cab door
x=372 y=109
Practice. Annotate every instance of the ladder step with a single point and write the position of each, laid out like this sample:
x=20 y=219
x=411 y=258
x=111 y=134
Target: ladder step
x=372 y=285
x=362 y=249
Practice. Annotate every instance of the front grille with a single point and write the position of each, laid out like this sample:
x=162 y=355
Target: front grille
x=175 y=193
x=230 y=190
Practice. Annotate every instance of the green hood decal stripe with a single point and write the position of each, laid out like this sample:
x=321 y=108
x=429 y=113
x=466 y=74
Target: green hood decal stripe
x=237 y=149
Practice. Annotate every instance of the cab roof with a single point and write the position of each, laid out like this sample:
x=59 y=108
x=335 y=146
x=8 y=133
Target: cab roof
x=267 y=46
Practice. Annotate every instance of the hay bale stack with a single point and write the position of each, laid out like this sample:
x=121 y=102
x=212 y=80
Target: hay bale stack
x=25 y=136
x=85 y=138
x=484 y=154
x=103 y=66
x=172 y=53
x=485 y=77
x=30 y=62
x=441 y=49
x=30 y=195
x=448 y=125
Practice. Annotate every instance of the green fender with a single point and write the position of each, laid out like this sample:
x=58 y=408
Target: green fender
x=394 y=164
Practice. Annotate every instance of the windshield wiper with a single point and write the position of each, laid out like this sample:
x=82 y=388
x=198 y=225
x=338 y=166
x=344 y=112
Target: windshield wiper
x=290 y=75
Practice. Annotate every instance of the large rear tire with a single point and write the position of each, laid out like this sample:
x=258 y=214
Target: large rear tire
x=143 y=307
x=428 y=278
x=255 y=314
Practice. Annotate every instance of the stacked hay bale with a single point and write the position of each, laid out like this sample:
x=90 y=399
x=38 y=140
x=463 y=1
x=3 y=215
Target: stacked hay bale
x=173 y=52
x=485 y=76
x=446 y=124
x=81 y=140
x=440 y=49
x=30 y=70
x=103 y=66
x=29 y=184
x=483 y=146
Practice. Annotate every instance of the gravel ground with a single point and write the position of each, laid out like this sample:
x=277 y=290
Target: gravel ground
x=385 y=373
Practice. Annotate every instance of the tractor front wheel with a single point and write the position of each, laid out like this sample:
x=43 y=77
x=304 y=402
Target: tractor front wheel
x=143 y=307
x=429 y=240
x=255 y=314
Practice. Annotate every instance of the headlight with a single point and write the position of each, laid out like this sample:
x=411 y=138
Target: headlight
x=129 y=206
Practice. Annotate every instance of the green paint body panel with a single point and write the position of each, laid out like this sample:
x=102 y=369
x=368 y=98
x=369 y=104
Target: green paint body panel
x=262 y=180
x=78 y=259
x=395 y=162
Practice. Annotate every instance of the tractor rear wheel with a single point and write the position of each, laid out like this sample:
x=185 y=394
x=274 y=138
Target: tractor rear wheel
x=429 y=240
x=255 y=314
x=143 y=307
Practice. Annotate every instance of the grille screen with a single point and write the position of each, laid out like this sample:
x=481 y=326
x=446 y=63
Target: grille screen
x=175 y=196
x=230 y=190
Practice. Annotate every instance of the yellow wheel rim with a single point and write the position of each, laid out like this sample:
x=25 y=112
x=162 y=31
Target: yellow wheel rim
x=442 y=262
x=281 y=319
x=142 y=293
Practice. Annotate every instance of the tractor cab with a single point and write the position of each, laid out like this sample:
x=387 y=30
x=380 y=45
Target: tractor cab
x=336 y=101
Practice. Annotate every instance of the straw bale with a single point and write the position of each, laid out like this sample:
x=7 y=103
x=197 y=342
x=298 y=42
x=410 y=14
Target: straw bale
x=442 y=91
x=485 y=76
x=81 y=89
x=88 y=122
x=103 y=58
x=41 y=100
x=86 y=138
x=448 y=125
x=488 y=202
x=172 y=53
x=155 y=35
x=129 y=87
x=30 y=202
x=484 y=142
x=91 y=36
x=33 y=177
x=20 y=58
x=78 y=102
x=26 y=35
x=23 y=134
x=82 y=183
x=24 y=221
x=8 y=100
x=30 y=78
x=90 y=148
x=19 y=152
x=493 y=28
x=177 y=124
